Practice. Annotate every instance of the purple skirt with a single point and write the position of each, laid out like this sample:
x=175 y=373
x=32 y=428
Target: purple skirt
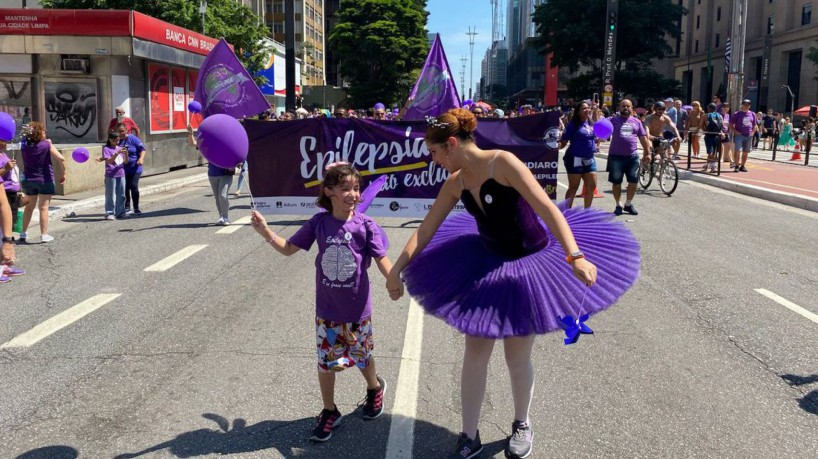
x=484 y=294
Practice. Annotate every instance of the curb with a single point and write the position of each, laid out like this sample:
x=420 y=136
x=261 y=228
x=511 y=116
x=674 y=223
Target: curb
x=68 y=210
x=781 y=197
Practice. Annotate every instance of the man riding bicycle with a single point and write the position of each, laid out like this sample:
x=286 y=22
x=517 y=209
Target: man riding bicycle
x=660 y=126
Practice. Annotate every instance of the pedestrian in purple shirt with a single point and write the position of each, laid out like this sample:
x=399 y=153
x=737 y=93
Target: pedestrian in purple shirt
x=115 y=158
x=347 y=241
x=579 y=160
x=623 y=155
x=744 y=123
x=38 y=186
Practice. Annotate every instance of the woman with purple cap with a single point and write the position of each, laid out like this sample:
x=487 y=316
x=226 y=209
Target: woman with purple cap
x=379 y=111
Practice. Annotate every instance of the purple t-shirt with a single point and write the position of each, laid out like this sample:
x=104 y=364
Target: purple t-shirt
x=626 y=133
x=37 y=162
x=581 y=140
x=743 y=122
x=345 y=251
x=7 y=180
x=113 y=170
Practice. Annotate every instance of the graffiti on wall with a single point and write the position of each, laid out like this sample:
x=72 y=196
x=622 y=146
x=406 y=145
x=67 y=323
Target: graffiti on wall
x=71 y=111
x=15 y=96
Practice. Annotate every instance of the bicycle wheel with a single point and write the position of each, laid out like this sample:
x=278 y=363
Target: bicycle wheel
x=645 y=174
x=668 y=178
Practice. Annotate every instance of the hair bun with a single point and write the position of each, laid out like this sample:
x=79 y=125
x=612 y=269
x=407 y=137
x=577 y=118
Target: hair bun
x=466 y=120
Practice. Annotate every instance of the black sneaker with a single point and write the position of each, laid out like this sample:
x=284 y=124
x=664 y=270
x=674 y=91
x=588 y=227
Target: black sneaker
x=742 y=169
x=467 y=448
x=521 y=442
x=736 y=169
x=618 y=210
x=373 y=407
x=631 y=210
x=327 y=421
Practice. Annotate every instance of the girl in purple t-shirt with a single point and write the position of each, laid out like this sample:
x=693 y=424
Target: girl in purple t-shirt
x=347 y=243
x=115 y=158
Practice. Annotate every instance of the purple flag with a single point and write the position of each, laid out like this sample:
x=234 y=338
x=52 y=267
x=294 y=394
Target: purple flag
x=225 y=86
x=434 y=92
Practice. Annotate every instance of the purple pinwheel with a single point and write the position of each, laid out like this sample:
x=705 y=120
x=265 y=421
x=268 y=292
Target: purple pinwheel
x=573 y=328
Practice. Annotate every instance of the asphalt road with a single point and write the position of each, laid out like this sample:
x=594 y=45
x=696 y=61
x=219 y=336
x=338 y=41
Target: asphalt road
x=215 y=355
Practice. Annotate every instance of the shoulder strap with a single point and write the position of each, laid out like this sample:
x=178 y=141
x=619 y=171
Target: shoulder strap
x=491 y=164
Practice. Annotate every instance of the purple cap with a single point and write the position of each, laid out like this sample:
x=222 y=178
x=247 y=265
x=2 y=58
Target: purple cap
x=379 y=106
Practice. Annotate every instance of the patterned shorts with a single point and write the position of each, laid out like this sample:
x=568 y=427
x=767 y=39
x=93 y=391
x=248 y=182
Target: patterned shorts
x=342 y=345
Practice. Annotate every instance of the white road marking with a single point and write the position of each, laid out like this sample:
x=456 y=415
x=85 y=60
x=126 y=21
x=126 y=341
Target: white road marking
x=235 y=226
x=171 y=261
x=61 y=321
x=402 y=429
x=788 y=304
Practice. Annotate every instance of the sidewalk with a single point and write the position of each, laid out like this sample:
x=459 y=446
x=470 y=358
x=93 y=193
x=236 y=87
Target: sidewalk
x=779 y=181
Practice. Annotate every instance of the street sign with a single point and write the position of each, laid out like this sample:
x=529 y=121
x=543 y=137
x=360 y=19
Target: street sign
x=607 y=98
x=608 y=88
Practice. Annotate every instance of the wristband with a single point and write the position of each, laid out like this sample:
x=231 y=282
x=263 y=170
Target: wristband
x=574 y=256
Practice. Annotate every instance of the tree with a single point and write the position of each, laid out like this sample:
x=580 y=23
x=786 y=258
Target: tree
x=574 y=31
x=225 y=18
x=812 y=56
x=382 y=46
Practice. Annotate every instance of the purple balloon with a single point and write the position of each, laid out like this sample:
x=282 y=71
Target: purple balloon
x=194 y=106
x=603 y=128
x=468 y=103
x=223 y=141
x=687 y=108
x=7 y=127
x=80 y=154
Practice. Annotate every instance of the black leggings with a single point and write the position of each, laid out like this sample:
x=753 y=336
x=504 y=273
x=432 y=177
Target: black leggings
x=132 y=190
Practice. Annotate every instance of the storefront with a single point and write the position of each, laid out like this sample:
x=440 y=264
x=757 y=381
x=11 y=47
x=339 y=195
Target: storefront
x=71 y=68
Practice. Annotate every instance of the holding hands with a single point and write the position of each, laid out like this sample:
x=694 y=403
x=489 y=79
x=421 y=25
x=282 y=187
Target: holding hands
x=394 y=285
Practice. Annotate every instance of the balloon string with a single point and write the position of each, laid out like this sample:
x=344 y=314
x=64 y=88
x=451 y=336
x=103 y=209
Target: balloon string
x=249 y=190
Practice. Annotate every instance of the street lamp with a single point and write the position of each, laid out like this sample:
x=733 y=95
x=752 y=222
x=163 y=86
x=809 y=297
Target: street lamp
x=792 y=102
x=471 y=33
x=202 y=10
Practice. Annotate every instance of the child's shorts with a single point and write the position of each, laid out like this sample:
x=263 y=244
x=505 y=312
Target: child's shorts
x=342 y=345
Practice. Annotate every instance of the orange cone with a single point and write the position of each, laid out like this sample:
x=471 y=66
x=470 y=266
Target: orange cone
x=597 y=194
x=796 y=153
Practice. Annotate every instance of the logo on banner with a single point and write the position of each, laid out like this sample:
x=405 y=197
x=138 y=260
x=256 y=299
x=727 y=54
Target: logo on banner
x=394 y=206
x=222 y=84
x=552 y=138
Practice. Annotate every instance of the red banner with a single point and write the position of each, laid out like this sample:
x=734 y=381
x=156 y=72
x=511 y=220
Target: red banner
x=159 y=96
x=192 y=76
x=161 y=32
x=114 y=23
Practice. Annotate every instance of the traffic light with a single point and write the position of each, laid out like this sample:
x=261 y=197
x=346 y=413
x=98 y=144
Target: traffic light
x=612 y=20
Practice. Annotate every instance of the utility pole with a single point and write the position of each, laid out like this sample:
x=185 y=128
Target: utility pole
x=202 y=11
x=609 y=59
x=289 y=53
x=471 y=33
x=735 y=81
x=463 y=60
x=792 y=101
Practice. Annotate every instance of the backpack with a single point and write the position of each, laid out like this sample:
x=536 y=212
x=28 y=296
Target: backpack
x=713 y=123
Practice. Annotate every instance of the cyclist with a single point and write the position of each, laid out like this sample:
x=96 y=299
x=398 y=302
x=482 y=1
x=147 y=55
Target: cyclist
x=661 y=126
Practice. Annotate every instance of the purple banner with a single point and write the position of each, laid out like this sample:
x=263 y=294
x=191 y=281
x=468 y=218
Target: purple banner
x=435 y=92
x=225 y=86
x=287 y=159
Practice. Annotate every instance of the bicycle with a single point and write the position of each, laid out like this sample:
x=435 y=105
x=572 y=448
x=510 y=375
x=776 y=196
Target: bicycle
x=666 y=168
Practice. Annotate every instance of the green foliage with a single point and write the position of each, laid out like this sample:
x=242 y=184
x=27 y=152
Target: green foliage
x=224 y=18
x=382 y=47
x=574 y=31
x=812 y=56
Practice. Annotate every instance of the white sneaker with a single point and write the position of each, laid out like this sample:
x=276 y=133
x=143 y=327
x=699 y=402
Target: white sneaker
x=220 y=221
x=23 y=236
x=110 y=217
x=46 y=238
x=225 y=222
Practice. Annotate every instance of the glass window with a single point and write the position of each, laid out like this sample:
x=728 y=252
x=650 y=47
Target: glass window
x=770 y=24
x=696 y=48
x=698 y=21
x=718 y=14
x=718 y=39
x=806 y=14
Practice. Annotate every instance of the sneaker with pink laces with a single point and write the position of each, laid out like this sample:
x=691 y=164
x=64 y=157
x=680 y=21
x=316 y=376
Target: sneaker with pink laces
x=11 y=271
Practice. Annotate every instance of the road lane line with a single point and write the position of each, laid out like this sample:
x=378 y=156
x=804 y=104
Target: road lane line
x=61 y=321
x=171 y=261
x=402 y=429
x=788 y=304
x=235 y=226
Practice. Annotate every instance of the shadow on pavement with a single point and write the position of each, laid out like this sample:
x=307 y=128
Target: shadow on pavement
x=809 y=402
x=51 y=452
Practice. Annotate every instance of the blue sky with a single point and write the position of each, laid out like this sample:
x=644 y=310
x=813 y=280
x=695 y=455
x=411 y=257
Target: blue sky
x=452 y=19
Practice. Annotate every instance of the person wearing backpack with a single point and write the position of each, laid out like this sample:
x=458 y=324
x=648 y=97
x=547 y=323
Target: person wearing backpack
x=713 y=136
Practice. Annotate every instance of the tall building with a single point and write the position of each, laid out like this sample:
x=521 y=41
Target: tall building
x=493 y=68
x=779 y=32
x=332 y=62
x=526 y=65
x=310 y=39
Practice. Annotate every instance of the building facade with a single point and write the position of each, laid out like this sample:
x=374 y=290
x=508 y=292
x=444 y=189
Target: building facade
x=779 y=35
x=310 y=36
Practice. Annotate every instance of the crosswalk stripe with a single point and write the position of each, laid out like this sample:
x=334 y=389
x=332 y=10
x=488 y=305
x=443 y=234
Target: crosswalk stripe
x=171 y=261
x=235 y=226
x=788 y=304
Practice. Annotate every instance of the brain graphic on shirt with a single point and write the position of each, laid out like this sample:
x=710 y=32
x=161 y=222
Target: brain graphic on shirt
x=338 y=263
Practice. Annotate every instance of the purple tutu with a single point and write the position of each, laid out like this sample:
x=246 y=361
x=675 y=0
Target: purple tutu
x=484 y=294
